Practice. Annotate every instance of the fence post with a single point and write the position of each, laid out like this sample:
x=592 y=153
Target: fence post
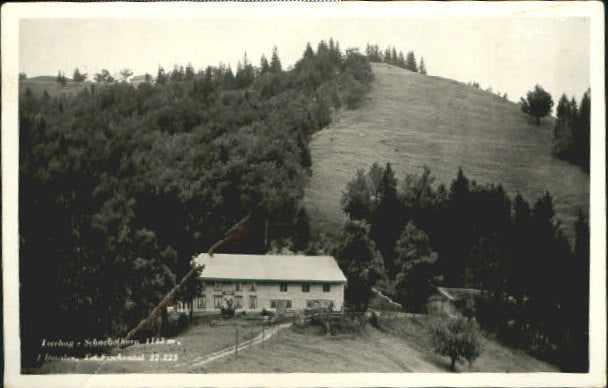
x=236 y=342
x=250 y=336
x=262 y=322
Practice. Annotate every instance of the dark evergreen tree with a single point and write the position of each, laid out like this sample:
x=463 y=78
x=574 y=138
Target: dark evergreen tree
x=161 y=77
x=387 y=219
x=309 y=53
x=411 y=62
x=423 y=66
x=264 y=66
x=275 y=62
x=360 y=263
x=78 y=76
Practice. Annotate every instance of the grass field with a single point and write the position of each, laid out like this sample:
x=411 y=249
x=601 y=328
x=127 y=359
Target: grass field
x=38 y=86
x=402 y=344
x=413 y=120
x=196 y=341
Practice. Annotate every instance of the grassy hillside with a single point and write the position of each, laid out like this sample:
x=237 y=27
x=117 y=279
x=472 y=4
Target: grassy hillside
x=39 y=84
x=413 y=120
x=401 y=345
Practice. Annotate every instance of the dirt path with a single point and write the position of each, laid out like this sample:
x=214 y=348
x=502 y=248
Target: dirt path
x=373 y=351
x=230 y=350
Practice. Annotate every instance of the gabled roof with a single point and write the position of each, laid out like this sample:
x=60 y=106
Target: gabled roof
x=138 y=78
x=270 y=267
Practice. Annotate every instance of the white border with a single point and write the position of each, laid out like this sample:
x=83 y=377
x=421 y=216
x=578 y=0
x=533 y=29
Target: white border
x=12 y=13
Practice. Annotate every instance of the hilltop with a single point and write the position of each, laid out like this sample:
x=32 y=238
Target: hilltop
x=412 y=120
x=49 y=83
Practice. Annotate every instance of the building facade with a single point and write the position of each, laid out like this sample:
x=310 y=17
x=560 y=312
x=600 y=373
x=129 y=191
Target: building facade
x=278 y=283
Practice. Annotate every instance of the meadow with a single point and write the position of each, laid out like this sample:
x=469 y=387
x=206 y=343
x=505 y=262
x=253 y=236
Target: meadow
x=412 y=120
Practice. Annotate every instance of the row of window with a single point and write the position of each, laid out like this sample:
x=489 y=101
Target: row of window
x=217 y=302
x=253 y=302
x=305 y=287
x=238 y=286
x=283 y=287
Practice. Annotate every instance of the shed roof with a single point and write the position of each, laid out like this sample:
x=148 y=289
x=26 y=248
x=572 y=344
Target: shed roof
x=270 y=267
x=457 y=293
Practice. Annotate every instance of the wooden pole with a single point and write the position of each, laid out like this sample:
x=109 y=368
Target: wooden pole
x=250 y=336
x=163 y=303
x=236 y=342
x=262 y=321
x=239 y=230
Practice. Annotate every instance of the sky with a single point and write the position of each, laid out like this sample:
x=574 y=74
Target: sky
x=510 y=55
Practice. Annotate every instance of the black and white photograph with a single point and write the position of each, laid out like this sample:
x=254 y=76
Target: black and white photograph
x=304 y=194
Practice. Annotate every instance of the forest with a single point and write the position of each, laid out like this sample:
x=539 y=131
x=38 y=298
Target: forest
x=120 y=186
x=409 y=238
x=572 y=132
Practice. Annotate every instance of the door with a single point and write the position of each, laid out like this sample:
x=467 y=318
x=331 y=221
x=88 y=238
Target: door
x=228 y=302
x=281 y=307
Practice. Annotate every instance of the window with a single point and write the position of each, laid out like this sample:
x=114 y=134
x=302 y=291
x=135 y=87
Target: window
x=253 y=302
x=320 y=303
x=238 y=302
x=275 y=303
x=305 y=287
x=239 y=286
x=217 y=301
x=283 y=287
x=200 y=288
x=326 y=288
x=217 y=286
x=202 y=302
x=252 y=286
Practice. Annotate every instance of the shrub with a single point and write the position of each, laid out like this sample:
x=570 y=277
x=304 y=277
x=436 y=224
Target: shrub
x=342 y=325
x=227 y=312
x=458 y=339
x=182 y=322
x=373 y=320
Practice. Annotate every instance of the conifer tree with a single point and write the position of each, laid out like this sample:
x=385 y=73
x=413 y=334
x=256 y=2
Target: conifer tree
x=401 y=60
x=422 y=66
x=264 y=66
x=78 y=76
x=275 y=62
x=387 y=55
x=161 y=77
x=411 y=62
x=309 y=53
x=387 y=220
x=358 y=258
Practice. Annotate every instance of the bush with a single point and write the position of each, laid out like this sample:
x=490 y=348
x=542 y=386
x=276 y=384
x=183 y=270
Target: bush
x=182 y=322
x=458 y=339
x=227 y=312
x=342 y=325
x=373 y=320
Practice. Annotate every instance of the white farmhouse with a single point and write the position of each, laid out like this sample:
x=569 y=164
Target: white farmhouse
x=279 y=283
